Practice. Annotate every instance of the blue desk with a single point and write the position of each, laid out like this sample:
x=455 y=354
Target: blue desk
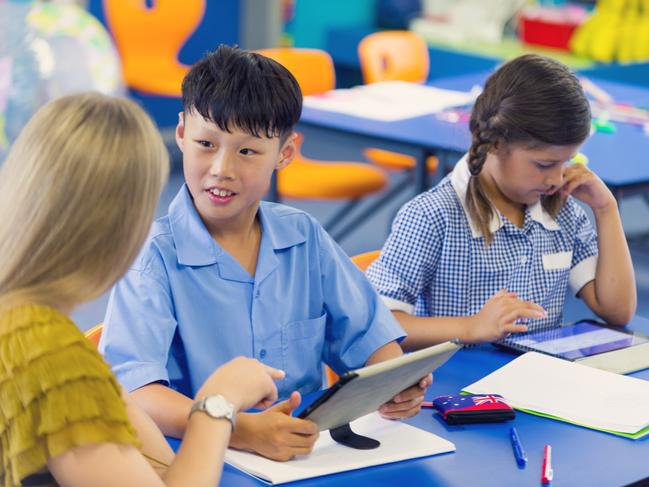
x=484 y=455
x=620 y=159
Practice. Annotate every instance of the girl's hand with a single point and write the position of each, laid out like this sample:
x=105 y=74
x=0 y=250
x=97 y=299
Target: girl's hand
x=583 y=184
x=498 y=317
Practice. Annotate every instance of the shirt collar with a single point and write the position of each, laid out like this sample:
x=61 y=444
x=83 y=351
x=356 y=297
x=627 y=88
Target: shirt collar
x=196 y=247
x=278 y=227
x=460 y=182
x=194 y=244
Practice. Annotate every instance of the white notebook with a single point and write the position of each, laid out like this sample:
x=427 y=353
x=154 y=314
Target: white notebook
x=389 y=100
x=571 y=392
x=399 y=441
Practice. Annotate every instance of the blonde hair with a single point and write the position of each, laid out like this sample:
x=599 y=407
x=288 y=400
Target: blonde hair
x=78 y=192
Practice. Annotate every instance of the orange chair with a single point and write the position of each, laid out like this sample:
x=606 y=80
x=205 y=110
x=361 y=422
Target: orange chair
x=362 y=261
x=307 y=178
x=393 y=55
x=94 y=333
x=313 y=69
x=149 y=40
x=388 y=56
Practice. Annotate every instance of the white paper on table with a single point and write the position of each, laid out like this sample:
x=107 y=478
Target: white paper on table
x=399 y=441
x=570 y=391
x=389 y=100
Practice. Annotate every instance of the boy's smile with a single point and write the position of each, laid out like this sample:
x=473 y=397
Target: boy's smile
x=228 y=173
x=220 y=196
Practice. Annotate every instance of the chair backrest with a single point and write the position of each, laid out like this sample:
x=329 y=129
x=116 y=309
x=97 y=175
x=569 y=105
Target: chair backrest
x=149 y=40
x=394 y=55
x=94 y=333
x=313 y=68
x=364 y=260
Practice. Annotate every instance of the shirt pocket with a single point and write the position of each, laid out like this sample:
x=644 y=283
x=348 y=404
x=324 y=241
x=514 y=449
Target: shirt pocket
x=302 y=344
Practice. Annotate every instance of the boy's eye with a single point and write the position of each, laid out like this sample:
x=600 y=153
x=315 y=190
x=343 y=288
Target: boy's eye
x=247 y=152
x=205 y=143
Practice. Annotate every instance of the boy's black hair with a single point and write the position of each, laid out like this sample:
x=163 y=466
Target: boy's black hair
x=235 y=87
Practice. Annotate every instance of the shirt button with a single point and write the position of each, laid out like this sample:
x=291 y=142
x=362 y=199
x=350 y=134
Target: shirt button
x=257 y=293
x=262 y=353
x=523 y=259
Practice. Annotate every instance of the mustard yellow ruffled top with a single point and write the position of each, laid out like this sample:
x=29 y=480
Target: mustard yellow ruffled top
x=56 y=393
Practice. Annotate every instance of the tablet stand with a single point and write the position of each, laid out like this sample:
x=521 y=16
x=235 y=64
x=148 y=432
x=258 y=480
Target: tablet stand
x=345 y=436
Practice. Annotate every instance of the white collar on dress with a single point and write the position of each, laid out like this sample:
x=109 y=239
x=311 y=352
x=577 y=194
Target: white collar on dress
x=460 y=181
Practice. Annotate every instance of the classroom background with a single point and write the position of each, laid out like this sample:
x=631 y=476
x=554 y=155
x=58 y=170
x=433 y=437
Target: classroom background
x=143 y=49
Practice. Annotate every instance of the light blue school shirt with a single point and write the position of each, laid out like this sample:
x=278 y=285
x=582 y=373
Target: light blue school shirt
x=186 y=306
x=435 y=261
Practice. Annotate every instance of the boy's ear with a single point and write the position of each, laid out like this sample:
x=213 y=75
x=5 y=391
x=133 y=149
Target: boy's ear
x=288 y=152
x=180 y=131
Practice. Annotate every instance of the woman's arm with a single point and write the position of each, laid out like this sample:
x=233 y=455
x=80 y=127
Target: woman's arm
x=243 y=382
x=198 y=462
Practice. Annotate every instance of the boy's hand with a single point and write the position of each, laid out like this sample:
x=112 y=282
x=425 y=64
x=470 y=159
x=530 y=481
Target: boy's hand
x=583 y=184
x=408 y=402
x=497 y=317
x=274 y=433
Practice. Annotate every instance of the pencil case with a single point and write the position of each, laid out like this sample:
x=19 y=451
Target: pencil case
x=473 y=408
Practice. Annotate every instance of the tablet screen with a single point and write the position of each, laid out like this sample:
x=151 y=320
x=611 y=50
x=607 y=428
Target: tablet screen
x=582 y=339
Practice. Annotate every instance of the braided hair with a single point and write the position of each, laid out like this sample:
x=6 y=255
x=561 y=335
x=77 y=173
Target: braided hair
x=531 y=100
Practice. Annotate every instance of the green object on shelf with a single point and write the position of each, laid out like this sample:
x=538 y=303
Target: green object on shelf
x=604 y=126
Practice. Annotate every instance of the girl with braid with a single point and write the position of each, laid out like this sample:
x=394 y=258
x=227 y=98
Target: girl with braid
x=495 y=246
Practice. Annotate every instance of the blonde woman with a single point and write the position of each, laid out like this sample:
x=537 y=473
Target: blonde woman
x=77 y=195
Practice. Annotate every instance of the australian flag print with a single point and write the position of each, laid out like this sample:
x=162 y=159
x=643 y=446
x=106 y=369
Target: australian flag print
x=473 y=408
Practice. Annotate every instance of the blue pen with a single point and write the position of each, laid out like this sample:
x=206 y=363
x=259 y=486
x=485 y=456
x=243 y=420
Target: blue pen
x=519 y=453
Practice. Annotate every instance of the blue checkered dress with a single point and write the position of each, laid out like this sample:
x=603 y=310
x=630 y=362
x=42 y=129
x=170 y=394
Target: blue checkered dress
x=435 y=262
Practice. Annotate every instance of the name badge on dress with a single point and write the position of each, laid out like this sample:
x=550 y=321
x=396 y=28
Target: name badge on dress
x=560 y=260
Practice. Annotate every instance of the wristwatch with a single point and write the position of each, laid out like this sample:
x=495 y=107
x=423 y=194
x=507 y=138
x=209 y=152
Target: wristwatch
x=217 y=407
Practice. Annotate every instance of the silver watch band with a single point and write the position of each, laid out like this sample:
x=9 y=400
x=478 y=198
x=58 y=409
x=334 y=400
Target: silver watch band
x=227 y=413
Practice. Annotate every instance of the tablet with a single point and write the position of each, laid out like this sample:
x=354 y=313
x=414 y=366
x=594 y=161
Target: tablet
x=589 y=342
x=363 y=391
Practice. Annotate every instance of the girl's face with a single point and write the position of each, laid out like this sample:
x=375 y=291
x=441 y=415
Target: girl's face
x=522 y=175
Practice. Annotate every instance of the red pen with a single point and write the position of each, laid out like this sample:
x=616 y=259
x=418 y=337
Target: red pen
x=546 y=471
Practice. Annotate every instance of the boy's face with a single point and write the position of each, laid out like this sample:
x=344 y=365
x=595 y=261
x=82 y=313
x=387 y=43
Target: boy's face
x=228 y=173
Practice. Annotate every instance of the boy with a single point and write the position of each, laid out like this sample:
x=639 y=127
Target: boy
x=224 y=274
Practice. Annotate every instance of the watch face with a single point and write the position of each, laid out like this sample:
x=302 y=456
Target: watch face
x=218 y=407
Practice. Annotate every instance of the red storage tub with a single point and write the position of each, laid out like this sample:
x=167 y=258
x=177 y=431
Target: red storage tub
x=549 y=27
